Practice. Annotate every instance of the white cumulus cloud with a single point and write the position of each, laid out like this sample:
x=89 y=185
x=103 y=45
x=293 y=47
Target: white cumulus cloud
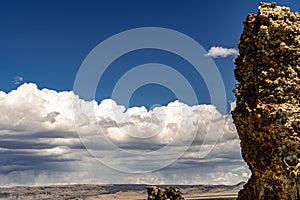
x=216 y=52
x=17 y=80
x=40 y=144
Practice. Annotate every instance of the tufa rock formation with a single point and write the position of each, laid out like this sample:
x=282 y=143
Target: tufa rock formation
x=267 y=113
x=169 y=193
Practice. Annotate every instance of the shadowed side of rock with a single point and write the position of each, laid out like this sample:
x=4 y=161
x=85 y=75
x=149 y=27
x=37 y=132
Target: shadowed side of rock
x=169 y=193
x=267 y=113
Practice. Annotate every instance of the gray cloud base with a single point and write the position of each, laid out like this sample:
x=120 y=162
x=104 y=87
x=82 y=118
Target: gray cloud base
x=39 y=143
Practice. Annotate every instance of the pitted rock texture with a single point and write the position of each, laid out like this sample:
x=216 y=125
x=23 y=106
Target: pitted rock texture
x=267 y=113
x=169 y=193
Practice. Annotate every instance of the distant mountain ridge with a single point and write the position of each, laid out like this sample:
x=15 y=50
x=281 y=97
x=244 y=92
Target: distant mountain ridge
x=90 y=191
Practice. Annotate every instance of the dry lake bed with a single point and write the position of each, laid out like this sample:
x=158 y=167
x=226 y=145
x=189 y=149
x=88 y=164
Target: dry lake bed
x=114 y=192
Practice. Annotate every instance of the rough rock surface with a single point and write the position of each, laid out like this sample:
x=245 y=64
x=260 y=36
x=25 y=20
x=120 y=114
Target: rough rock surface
x=267 y=113
x=169 y=193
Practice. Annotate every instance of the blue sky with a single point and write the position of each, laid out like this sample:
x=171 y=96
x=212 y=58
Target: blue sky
x=45 y=43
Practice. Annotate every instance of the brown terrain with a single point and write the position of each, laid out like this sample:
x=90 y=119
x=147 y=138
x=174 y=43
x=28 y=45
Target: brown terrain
x=113 y=192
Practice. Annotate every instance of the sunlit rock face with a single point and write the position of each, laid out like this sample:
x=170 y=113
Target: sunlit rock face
x=267 y=113
x=169 y=193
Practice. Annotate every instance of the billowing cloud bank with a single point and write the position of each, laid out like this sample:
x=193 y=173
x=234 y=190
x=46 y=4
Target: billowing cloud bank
x=44 y=135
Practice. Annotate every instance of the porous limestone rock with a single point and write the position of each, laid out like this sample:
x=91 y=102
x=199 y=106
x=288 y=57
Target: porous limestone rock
x=169 y=193
x=267 y=113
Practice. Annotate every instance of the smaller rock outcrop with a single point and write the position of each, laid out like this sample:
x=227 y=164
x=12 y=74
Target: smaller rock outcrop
x=169 y=193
